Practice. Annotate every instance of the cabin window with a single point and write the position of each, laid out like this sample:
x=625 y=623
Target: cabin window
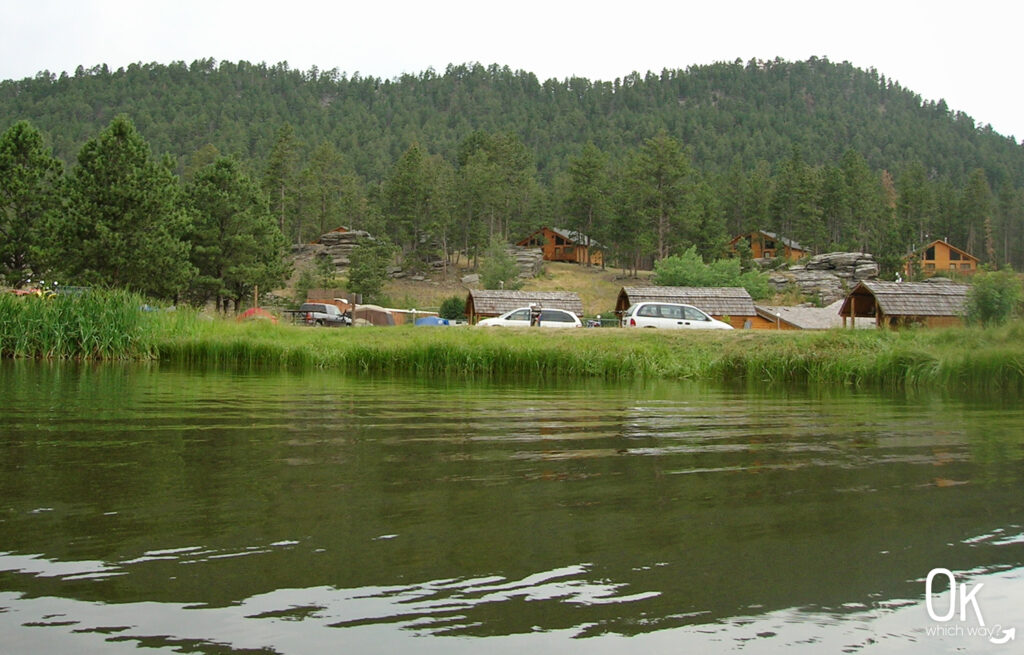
x=929 y=267
x=768 y=243
x=966 y=266
x=930 y=253
x=559 y=241
x=954 y=255
x=952 y=267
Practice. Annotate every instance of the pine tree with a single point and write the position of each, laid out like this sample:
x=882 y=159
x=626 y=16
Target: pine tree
x=795 y=205
x=659 y=183
x=125 y=225
x=409 y=196
x=279 y=182
x=329 y=194
x=236 y=244
x=29 y=200
x=587 y=203
x=976 y=204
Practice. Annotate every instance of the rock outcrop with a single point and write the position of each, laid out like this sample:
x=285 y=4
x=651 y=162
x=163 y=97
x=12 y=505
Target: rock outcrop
x=827 y=277
x=529 y=260
x=337 y=246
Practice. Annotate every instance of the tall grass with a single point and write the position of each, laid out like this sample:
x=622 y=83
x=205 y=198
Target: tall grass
x=983 y=359
x=88 y=325
x=110 y=325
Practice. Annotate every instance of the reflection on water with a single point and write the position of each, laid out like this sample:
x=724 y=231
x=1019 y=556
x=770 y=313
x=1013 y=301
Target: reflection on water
x=238 y=512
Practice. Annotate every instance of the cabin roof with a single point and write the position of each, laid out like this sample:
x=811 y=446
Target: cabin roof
x=717 y=301
x=495 y=302
x=809 y=318
x=783 y=240
x=908 y=298
x=573 y=236
x=937 y=242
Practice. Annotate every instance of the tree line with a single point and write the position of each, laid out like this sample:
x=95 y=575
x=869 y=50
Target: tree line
x=122 y=216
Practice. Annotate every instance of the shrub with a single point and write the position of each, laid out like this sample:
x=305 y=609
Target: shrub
x=994 y=297
x=453 y=307
x=689 y=270
x=499 y=270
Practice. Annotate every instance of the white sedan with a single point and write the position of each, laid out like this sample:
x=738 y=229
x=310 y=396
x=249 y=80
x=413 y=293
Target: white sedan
x=552 y=318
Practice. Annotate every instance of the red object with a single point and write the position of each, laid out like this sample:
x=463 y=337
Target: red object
x=257 y=313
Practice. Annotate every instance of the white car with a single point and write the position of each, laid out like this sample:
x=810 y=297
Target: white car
x=670 y=315
x=552 y=318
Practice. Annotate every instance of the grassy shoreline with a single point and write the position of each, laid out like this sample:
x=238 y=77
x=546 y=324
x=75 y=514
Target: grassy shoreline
x=111 y=326
x=970 y=358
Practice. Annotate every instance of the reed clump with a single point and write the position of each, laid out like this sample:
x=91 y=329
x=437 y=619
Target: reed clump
x=86 y=325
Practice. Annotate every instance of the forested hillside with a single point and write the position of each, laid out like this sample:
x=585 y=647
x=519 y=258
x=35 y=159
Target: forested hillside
x=825 y=153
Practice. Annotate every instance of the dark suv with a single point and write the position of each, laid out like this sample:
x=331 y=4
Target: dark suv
x=318 y=313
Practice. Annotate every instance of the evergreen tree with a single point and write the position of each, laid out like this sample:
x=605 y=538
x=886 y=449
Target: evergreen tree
x=659 y=184
x=705 y=229
x=236 y=244
x=495 y=174
x=915 y=208
x=414 y=204
x=125 y=225
x=976 y=205
x=587 y=206
x=29 y=199
x=795 y=205
x=328 y=194
x=870 y=222
x=279 y=182
x=368 y=268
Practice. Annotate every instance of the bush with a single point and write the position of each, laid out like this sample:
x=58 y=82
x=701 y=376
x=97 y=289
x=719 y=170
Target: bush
x=994 y=297
x=689 y=270
x=453 y=307
x=499 y=270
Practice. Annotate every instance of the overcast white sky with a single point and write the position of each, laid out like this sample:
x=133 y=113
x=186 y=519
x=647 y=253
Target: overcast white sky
x=966 y=52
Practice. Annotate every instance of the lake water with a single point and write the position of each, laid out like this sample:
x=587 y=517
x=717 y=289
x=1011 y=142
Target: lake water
x=232 y=512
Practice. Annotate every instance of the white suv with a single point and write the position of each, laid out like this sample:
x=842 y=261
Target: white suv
x=670 y=315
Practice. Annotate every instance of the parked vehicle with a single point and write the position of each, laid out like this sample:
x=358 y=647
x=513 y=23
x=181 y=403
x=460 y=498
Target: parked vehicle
x=318 y=313
x=553 y=318
x=670 y=315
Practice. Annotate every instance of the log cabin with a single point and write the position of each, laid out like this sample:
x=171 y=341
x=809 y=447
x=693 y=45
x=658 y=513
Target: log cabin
x=768 y=245
x=939 y=255
x=561 y=245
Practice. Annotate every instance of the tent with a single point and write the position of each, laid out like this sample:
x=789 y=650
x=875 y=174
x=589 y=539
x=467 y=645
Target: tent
x=256 y=313
x=432 y=320
x=372 y=315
